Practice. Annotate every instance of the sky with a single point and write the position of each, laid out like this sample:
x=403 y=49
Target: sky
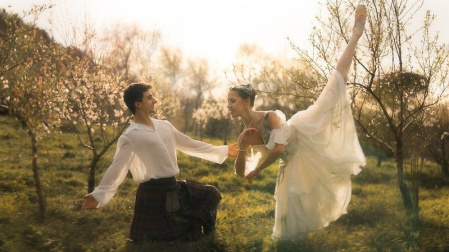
x=210 y=29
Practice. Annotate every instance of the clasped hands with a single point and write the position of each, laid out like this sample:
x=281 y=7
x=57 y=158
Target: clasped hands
x=242 y=144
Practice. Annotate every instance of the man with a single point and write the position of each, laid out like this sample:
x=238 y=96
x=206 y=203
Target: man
x=165 y=208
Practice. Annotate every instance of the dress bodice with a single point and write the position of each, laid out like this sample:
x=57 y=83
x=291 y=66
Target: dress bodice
x=265 y=135
x=270 y=138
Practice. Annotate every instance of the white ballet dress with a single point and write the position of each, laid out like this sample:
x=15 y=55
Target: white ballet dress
x=321 y=152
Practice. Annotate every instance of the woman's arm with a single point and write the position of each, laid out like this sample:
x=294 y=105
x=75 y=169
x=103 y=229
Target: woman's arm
x=274 y=154
x=240 y=161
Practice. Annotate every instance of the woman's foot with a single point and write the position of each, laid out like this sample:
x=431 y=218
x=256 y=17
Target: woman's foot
x=360 y=19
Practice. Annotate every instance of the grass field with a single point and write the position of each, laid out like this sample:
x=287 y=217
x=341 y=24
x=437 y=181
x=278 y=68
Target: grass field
x=375 y=221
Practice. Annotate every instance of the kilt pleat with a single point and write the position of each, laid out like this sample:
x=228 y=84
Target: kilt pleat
x=196 y=214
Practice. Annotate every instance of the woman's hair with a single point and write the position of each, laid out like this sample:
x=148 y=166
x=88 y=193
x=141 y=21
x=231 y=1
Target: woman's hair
x=133 y=93
x=245 y=92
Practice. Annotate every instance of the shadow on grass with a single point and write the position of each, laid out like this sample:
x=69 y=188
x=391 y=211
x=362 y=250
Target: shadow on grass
x=207 y=244
x=291 y=246
x=375 y=176
x=366 y=215
x=430 y=181
x=434 y=235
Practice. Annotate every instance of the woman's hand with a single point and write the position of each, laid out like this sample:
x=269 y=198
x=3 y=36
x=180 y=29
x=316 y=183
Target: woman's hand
x=233 y=150
x=243 y=138
x=251 y=175
x=272 y=156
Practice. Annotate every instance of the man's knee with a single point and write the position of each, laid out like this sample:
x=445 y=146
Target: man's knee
x=213 y=191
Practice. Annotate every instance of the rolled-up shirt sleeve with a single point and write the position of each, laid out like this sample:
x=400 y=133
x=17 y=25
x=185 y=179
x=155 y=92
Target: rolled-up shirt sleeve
x=116 y=172
x=199 y=149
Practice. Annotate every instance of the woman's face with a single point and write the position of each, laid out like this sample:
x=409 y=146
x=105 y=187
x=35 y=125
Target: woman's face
x=236 y=104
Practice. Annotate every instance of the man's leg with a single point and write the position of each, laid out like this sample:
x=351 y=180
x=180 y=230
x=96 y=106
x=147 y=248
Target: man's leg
x=200 y=201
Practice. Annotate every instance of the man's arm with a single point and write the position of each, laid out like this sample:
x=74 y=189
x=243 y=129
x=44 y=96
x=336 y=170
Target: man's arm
x=195 y=148
x=113 y=176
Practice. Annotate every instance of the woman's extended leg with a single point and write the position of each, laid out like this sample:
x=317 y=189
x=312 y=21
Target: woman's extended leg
x=346 y=58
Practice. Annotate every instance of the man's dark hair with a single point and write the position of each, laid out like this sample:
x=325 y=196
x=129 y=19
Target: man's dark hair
x=134 y=93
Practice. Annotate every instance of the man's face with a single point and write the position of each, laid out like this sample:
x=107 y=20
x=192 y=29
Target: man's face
x=147 y=103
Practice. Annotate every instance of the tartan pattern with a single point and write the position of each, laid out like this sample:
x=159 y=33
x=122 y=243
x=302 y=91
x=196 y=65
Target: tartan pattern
x=198 y=210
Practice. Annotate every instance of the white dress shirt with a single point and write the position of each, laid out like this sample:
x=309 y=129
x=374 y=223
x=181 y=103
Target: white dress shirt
x=149 y=153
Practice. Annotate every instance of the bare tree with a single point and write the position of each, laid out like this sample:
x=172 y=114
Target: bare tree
x=191 y=81
x=247 y=65
x=212 y=108
x=28 y=80
x=94 y=108
x=437 y=129
x=96 y=76
x=285 y=80
x=168 y=75
x=171 y=65
x=394 y=81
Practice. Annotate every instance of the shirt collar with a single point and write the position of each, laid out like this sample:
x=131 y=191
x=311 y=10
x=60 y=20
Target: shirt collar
x=138 y=126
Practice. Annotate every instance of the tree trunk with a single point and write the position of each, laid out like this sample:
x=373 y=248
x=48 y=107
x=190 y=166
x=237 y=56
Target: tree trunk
x=379 y=160
x=403 y=187
x=186 y=118
x=445 y=163
x=410 y=204
x=35 y=168
x=37 y=178
x=195 y=128
x=91 y=180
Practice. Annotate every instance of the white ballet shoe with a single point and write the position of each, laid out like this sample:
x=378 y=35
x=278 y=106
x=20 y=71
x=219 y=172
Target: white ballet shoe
x=360 y=20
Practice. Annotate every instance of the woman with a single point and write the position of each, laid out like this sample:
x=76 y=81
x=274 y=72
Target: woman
x=318 y=150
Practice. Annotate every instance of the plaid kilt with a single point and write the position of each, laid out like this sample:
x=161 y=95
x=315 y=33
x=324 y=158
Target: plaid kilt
x=195 y=216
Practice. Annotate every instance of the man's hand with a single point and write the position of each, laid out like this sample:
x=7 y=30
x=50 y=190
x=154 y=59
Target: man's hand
x=89 y=202
x=233 y=150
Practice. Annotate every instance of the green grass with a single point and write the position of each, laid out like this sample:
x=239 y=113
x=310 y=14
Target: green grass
x=375 y=221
